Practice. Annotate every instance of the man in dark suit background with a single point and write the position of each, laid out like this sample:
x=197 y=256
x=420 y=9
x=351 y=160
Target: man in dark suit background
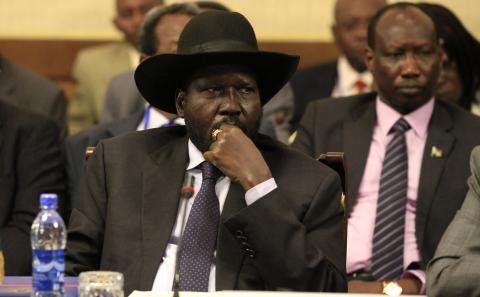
x=273 y=228
x=159 y=34
x=25 y=89
x=404 y=57
x=30 y=164
x=348 y=74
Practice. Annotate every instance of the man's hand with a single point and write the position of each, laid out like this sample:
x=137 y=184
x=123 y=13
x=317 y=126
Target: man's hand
x=235 y=154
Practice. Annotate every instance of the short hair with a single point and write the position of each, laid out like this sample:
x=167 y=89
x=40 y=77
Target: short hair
x=460 y=46
x=148 y=41
x=372 y=26
x=213 y=5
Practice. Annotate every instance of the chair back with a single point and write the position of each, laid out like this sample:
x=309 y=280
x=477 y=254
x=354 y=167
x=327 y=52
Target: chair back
x=336 y=161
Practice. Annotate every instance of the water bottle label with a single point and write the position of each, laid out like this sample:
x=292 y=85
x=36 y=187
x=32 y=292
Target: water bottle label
x=48 y=270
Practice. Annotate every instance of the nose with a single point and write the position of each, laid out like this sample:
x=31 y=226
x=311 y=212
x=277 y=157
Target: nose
x=410 y=66
x=360 y=32
x=231 y=103
x=137 y=17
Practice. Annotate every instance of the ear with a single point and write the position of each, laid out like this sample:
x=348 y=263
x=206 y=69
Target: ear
x=115 y=22
x=442 y=52
x=179 y=102
x=143 y=57
x=368 y=59
x=334 y=29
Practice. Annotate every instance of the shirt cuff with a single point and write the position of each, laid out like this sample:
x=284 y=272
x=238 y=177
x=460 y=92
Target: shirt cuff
x=417 y=274
x=260 y=190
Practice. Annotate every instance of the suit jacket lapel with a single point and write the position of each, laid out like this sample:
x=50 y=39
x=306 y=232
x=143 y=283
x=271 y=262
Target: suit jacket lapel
x=437 y=148
x=162 y=180
x=228 y=261
x=357 y=136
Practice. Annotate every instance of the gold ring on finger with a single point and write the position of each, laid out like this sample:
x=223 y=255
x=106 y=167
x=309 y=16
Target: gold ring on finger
x=215 y=134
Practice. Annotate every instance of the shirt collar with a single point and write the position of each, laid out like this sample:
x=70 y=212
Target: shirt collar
x=195 y=156
x=418 y=119
x=348 y=76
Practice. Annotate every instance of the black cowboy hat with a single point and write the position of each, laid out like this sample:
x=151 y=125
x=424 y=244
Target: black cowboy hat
x=212 y=37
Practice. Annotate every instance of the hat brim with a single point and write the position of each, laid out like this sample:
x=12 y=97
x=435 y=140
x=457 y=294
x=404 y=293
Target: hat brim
x=158 y=77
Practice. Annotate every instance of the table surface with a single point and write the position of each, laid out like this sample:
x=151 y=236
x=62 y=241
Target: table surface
x=16 y=286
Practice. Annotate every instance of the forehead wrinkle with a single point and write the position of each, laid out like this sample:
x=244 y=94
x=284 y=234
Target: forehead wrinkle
x=410 y=22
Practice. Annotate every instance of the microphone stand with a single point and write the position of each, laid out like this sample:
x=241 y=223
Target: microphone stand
x=186 y=192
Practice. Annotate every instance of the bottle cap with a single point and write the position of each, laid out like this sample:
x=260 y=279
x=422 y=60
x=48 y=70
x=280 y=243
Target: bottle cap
x=48 y=200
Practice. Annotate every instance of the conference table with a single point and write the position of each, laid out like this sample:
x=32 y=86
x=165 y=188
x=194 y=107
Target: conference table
x=21 y=286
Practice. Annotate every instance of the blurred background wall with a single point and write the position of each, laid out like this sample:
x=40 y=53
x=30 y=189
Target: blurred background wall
x=274 y=20
x=45 y=35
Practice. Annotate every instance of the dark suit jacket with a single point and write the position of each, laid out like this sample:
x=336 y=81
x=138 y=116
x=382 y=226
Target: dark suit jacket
x=76 y=145
x=129 y=202
x=30 y=164
x=346 y=124
x=28 y=90
x=122 y=98
x=312 y=83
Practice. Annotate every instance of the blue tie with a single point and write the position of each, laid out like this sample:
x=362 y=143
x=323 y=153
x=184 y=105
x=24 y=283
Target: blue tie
x=200 y=235
x=388 y=235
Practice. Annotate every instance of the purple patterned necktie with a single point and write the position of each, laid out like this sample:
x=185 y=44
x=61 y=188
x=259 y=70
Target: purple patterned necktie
x=200 y=234
x=388 y=238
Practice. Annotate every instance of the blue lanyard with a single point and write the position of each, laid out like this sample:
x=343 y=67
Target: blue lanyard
x=170 y=123
x=147 y=117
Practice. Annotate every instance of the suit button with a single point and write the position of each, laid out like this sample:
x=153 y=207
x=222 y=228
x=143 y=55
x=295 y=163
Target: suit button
x=250 y=253
x=239 y=232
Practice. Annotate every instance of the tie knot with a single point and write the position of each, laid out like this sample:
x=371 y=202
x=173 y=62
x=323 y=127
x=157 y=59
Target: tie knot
x=209 y=171
x=360 y=85
x=401 y=126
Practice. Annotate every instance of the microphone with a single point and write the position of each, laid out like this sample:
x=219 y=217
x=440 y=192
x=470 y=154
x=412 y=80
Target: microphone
x=186 y=192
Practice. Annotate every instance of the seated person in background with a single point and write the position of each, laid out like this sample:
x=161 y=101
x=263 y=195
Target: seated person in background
x=123 y=98
x=262 y=216
x=25 y=89
x=348 y=75
x=94 y=67
x=407 y=153
x=159 y=35
x=460 y=74
x=30 y=164
x=455 y=268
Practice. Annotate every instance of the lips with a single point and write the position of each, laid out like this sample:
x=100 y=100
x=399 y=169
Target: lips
x=410 y=90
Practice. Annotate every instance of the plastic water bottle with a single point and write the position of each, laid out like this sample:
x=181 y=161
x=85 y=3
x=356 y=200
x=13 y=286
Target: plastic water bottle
x=49 y=237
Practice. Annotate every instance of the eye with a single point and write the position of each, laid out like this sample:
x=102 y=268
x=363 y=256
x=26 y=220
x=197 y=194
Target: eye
x=246 y=90
x=213 y=91
x=396 y=54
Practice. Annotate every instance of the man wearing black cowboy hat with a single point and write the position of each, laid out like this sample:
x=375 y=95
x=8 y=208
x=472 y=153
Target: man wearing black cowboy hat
x=262 y=217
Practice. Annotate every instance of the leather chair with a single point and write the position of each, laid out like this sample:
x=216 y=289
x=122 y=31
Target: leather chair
x=336 y=161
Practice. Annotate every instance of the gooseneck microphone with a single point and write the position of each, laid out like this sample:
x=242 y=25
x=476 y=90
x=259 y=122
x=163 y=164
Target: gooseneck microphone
x=186 y=192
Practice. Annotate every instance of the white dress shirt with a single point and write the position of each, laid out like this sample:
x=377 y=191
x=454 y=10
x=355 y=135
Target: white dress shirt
x=165 y=274
x=152 y=118
x=347 y=77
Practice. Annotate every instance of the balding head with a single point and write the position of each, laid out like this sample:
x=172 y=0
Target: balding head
x=404 y=56
x=350 y=28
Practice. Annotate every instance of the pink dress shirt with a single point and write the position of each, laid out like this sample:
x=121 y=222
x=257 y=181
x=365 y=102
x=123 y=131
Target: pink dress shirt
x=362 y=219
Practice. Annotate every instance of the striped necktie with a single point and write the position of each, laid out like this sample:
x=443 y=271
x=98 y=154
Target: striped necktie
x=389 y=232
